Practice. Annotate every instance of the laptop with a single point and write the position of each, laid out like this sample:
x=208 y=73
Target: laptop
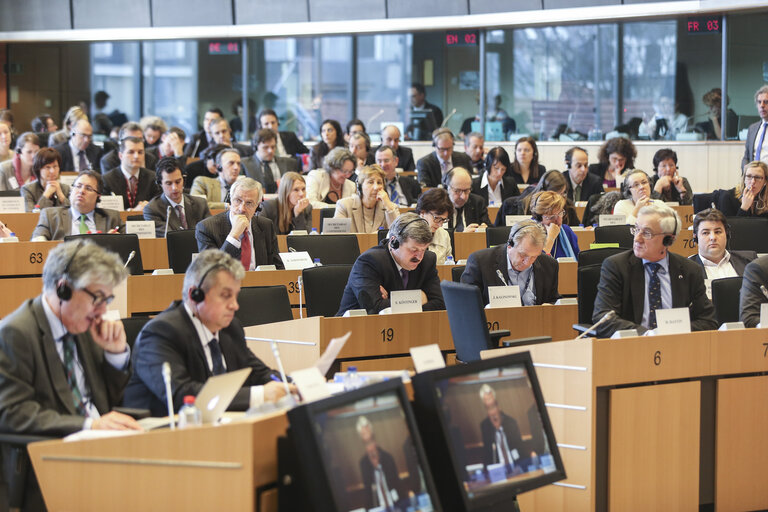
x=218 y=392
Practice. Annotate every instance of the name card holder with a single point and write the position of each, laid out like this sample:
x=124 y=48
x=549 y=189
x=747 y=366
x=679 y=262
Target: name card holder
x=504 y=296
x=111 y=203
x=673 y=321
x=298 y=260
x=405 y=301
x=611 y=220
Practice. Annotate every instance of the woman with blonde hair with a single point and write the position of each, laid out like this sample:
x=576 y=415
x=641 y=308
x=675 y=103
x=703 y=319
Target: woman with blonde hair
x=290 y=210
x=750 y=197
x=371 y=208
x=548 y=208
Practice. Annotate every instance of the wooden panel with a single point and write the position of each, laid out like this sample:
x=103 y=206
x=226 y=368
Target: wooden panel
x=523 y=322
x=741 y=444
x=654 y=448
x=467 y=243
x=740 y=351
x=24 y=258
x=555 y=497
x=16 y=290
x=364 y=240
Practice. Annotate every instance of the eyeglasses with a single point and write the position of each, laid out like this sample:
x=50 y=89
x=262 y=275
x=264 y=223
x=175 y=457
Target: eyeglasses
x=645 y=233
x=88 y=188
x=461 y=191
x=98 y=298
x=85 y=135
x=437 y=219
x=249 y=205
x=639 y=184
x=752 y=177
x=554 y=216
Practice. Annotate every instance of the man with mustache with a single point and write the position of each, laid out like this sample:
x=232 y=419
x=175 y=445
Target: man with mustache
x=400 y=262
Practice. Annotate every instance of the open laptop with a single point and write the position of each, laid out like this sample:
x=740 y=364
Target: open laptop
x=218 y=392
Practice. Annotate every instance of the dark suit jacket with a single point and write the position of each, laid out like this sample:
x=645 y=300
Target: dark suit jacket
x=269 y=210
x=481 y=272
x=429 y=171
x=56 y=223
x=293 y=146
x=531 y=180
x=375 y=267
x=391 y=475
x=727 y=202
x=750 y=297
x=508 y=188
x=475 y=212
x=749 y=144
x=739 y=260
x=195 y=210
x=253 y=169
x=411 y=188
x=212 y=233
x=171 y=336
x=35 y=397
x=511 y=431
x=92 y=153
x=111 y=159
x=591 y=185
x=622 y=289
x=146 y=189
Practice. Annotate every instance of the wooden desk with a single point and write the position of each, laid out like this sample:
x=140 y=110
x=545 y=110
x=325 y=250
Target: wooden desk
x=23 y=224
x=566 y=284
x=364 y=240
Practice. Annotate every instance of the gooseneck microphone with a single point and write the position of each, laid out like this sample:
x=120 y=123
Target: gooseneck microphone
x=167 y=218
x=130 y=257
x=501 y=276
x=608 y=316
x=168 y=399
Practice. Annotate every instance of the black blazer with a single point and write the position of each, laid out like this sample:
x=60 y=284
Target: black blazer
x=508 y=188
x=405 y=158
x=622 y=289
x=171 y=336
x=146 y=189
x=196 y=145
x=482 y=266
x=375 y=267
x=739 y=260
x=475 y=212
x=511 y=431
x=411 y=188
x=726 y=202
x=92 y=153
x=750 y=297
x=531 y=180
x=391 y=475
x=212 y=233
x=253 y=169
x=591 y=185
x=428 y=167
x=293 y=146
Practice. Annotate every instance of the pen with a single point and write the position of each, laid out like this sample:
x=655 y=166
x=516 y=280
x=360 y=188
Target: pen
x=275 y=377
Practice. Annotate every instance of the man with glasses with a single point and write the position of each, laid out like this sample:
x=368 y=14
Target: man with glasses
x=79 y=153
x=433 y=168
x=82 y=216
x=470 y=212
x=402 y=190
x=521 y=263
x=636 y=283
x=239 y=232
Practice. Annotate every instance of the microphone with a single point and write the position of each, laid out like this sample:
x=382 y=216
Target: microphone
x=453 y=112
x=168 y=400
x=167 y=218
x=501 y=276
x=374 y=117
x=765 y=292
x=291 y=249
x=279 y=362
x=608 y=316
x=301 y=286
x=130 y=257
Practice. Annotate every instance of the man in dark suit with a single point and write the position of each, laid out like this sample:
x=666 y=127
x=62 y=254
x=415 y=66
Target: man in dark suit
x=82 y=216
x=111 y=158
x=79 y=153
x=474 y=147
x=186 y=211
x=222 y=134
x=200 y=337
x=288 y=144
x=264 y=166
x=402 y=190
x=520 y=263
x=581 y=183
x=752 y=293
x=135 y=183
x=238 y=232
x=711 y=232
x=433 y=168
x=420 y=128
x=469 y=211
x=671 y=280
x=502 y=442
x=203 y=139
x=390 y=136
x=381 y=480
x=400 y=262
x=756 y=136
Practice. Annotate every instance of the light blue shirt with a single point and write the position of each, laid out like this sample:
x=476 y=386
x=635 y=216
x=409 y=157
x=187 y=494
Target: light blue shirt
x=75 y=228
x=527 y=295
x=666 y=287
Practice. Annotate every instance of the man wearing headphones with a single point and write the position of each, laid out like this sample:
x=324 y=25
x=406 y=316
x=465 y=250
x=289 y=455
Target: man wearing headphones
x=63 y=367
x=79 y=153
x=131 y=180
x=711 y=233
x=82 y=216
x=200 y=337
x=400 y=262
x=634 y=284
x=433 y=167
x=185 y=210
x=217 y=190
x=521 y=262
x=581 y=183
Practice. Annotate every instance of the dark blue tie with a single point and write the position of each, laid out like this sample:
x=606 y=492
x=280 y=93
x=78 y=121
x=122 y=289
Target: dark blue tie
x=218 y=363
x=393 y=195
x=654 y=294
x=759 y=148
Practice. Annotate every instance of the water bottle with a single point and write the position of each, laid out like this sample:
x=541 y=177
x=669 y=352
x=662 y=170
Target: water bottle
x=317 y=262
x=314 y=232
x=449 y=260
x=352 y=379
x=189 y=414
x=36 y=209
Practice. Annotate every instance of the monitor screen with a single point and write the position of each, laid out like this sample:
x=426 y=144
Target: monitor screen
x=364 y=448
x=486 y=430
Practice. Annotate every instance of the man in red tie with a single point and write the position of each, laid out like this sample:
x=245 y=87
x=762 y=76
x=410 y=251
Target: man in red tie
x=239 y=232
x=136 y=184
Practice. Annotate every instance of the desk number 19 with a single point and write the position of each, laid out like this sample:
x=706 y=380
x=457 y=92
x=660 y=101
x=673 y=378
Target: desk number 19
x=387 y=334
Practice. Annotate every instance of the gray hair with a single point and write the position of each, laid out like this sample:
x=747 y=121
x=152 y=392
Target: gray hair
x=223 y=152
x=467 y=137
x=245 y=184
x=205 y=264
x=761 y=90
x=82 y=263
x=485 y=389
x=527 y=228
x=668 y=218
x=335 y=159
x=362 y=422
x=406 y=227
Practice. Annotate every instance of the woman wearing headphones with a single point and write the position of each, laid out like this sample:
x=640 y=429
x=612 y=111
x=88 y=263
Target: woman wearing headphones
x=17 y=172
x=526 y=169
x=47 y=190
x=637 y=193
x=435 y=206
x=290 y=210
x=548 y=208
x=750 y=197
x=370 y=209
x=521 y=205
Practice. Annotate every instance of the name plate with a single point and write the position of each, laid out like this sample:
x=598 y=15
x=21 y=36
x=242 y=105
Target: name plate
x=673 y=321
x=580 y=204
x=611 y=220
x=406 y=301
x=355 y=312
x=624 y=333
x=504 y=296
x=111 y=203
x=298 y=260
x=311 y=384
x=12 y=204
x=427 y=357
x=732 y=326
x=141 y=228
x=337 y=225
x=67 y=179
x=510 y=220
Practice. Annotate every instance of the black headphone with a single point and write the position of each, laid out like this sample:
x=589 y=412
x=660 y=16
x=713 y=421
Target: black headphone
x=197 y=294
x=670 y=239
x=517 y=228
x=64 y=289
x=394 y=240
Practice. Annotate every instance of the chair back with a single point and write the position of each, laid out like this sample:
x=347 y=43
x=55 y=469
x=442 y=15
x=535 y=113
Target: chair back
x=456 y=272
x=496 y=235
x=748 y=234
x=132 y=327
x=725 y=298
x=614 y=235
x=324 y=288
x=331 y=249
x=596 y=256
x=466 y=317
x=263 y=305
x=587 y=279
x=181 y=246
x=702 y=201
x=121 y=244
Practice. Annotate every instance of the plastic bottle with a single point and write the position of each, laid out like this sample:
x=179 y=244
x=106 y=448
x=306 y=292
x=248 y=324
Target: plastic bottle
x=352 y=379
x=449 y=260
x=317 y=262
x=314 y=232
x=189 y=414
x=36 y=209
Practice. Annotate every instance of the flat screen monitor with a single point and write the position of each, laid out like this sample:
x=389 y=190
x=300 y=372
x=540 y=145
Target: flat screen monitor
x=361 y=451
x=486 y=432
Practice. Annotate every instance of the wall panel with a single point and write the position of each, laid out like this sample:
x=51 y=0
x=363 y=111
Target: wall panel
x=110 y=14
x=185 y=13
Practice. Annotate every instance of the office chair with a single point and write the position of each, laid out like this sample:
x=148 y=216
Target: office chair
x=263 y=305
x=496 y=235
x=181 y=246
x=725 y=298
x=132 y=327
x=596 y=256
x=121 y=244
x=331 y=249
x=456 y=272
x=587 y=279
x=324 y=287
x=748 y=234
x=614 y=234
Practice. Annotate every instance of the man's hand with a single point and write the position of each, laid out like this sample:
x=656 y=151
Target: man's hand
x=274 y=391
x=384 y=293
x=115 y=421
x=109 y=335
x=139 y=206
x=239 y=226
x=471 y=228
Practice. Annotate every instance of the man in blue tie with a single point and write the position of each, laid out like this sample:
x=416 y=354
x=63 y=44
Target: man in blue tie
x=756 y=145
x=200 y=337
x=634 y=284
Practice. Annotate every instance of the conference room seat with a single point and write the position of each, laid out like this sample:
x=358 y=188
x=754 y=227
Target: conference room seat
x=748 y=234
x=597 y=256
x=263 y=305
x=324 y=288
x=456 y=272
x=587 y=279
x=132 y=327
x=725 y=298
x=330 y=249
x=614 y=235
x=496 y=235
x=181 y=246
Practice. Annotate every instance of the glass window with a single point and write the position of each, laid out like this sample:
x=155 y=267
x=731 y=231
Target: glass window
x=170 y=82
x=114 y=70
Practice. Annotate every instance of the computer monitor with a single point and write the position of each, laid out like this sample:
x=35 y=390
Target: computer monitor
x=486 y=432
x=422 y=124
x=361 y=451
